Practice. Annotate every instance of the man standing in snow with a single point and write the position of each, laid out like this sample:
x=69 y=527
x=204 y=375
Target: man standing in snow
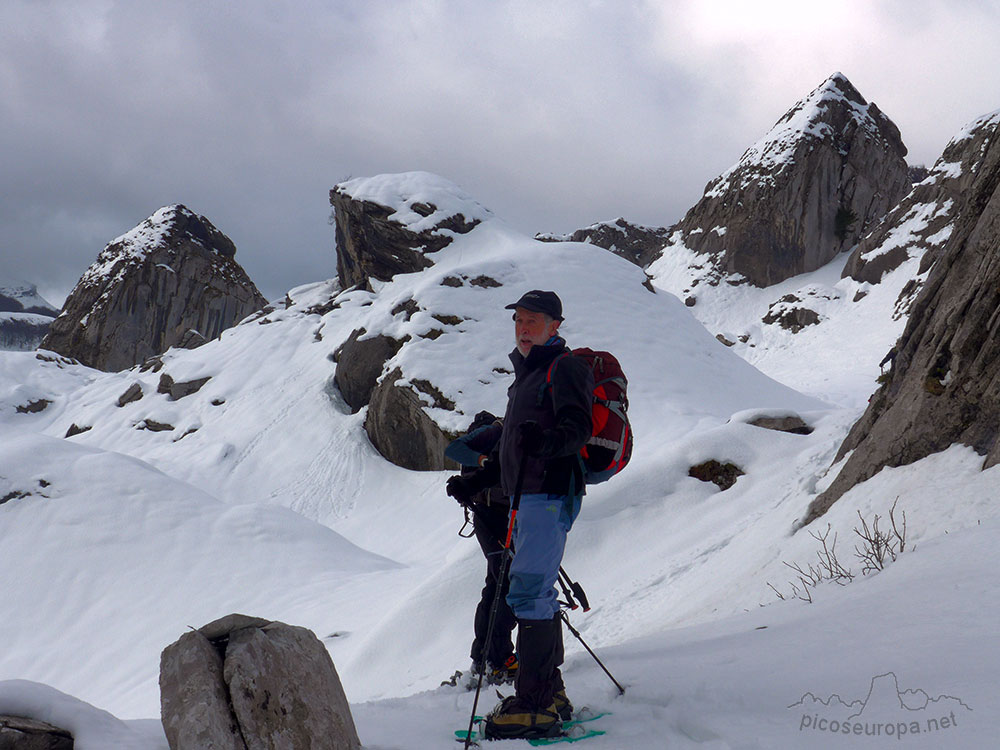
x=548 y=421
x=490 y=512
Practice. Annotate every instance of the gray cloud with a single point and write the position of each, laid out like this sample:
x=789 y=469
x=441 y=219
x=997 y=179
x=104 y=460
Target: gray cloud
x=555 y=114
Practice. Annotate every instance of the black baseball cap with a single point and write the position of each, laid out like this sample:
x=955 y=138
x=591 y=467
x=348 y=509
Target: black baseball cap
x=538 y=301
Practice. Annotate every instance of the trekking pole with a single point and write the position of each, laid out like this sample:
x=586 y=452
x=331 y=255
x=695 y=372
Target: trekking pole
x=515 y=504
x=574 y=631
x=576 y=588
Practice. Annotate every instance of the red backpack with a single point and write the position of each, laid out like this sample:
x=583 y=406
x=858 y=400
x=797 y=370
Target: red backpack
x=609 y=447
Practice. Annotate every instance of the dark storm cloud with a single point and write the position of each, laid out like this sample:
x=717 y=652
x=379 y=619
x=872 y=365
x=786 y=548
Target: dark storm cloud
x=554 y=114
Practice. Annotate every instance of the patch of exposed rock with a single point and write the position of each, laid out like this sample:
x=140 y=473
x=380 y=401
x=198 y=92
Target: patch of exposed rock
x=241 y=683
x=392 y=224
x=828 y=170
x=723 y=475
x=791 y=316
x=177 y=391
x=400 y=429
x=149 y=289
x=921 y=224
x=359 y=366
x=634 y=242
x=793 y=424
x=20 y=733
x=942 y=388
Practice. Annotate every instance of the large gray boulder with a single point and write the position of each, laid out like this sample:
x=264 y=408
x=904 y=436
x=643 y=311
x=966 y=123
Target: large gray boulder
x=400 y=429
x=246 y=683
x=392 y=224
x=359 y=366
x=942 y=388
x=827 y=171
x=150 y=288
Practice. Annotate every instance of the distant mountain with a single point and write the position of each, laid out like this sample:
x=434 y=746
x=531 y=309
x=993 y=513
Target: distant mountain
x=25 y=316
x=171 y=281
x=23 y=297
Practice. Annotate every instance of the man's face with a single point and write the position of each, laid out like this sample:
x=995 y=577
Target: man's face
x=532 y=328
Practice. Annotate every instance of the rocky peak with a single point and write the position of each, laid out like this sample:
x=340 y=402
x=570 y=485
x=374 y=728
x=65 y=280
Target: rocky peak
x=150 y=288
x=394 y=223
x=830 y=168
x=942 y=387
x=634 y=242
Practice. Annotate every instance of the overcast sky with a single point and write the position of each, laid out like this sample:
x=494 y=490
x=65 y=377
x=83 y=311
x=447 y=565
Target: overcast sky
x=555 y=114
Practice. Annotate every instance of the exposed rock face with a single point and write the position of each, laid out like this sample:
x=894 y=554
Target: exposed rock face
x=828 y=170
x=921 y=224
x=389 y=224
x=400 y=429
x=18 y=733
x=149 y=288
x=359 y=365
x=633 y=242
x=25 y=317
x=244 y=683
x=942 y=388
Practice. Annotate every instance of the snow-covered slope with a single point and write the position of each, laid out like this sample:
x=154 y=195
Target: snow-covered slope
x=123 y=535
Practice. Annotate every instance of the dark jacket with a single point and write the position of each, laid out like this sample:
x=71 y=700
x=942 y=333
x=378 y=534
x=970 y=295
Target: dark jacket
x=469 y=448
x=562 y=410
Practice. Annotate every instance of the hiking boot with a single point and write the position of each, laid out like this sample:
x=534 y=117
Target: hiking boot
x=515 y=719
x=563 y=707
x=503 y=675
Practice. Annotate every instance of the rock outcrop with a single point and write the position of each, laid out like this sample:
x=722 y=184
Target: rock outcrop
x=828 y=170
x=942 y=388
x=173 y=274
x=921 y=224
x=25 y=317
x=19 y=733
x=400 y=429
x=359 y=366
x=243 y=683
x=634 y=242
x=390 y=224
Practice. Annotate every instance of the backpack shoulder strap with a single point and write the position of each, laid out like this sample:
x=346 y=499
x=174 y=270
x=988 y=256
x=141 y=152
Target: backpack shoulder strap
x=548 y=375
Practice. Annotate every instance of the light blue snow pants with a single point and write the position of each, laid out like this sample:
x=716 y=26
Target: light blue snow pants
x=539 y=541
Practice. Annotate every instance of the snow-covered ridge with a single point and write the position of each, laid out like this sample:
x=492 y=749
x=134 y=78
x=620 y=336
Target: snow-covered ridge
x=410 y=194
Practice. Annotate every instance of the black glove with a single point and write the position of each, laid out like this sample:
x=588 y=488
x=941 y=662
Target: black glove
x=462 y=488
x=532 y=439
